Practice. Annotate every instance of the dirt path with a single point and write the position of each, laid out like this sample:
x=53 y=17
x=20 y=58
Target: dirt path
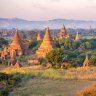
x=47 y=87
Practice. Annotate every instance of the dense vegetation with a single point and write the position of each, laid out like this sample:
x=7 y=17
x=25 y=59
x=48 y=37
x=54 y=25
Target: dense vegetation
x=84 y=44
x=33 y=45
x=74 y=51
x=3 y=42
x=7 y=82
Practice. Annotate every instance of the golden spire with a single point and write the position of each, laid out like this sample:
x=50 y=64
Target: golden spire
x=86 y=61
x=77 y=38
x=63 y=32
x=46 y=45
x=15 y=48
x=47 y=36
x=2 y=55
x=12 y=54
x=17 y=43
x=5 y=50
x=16 y=38
x=17 y=65
x=39 y=37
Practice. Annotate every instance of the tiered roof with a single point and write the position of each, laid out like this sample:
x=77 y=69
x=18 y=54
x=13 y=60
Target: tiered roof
x=46 y=45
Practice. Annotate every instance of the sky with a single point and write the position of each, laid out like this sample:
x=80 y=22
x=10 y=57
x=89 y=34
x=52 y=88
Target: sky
x=48 y=9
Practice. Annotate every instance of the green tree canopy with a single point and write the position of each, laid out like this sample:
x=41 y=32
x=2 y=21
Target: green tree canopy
x=92 y=60
x=3 y=42
x=55 y=57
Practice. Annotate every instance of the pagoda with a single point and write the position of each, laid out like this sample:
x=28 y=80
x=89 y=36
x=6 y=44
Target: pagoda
x=63 y=32
x=16 y=48
x=39 y=37
x=12 y=53
x=16 y=44
x=46 y=45
x=4 y=53
x=77 y=38
x=17 y=65
x=86 y=61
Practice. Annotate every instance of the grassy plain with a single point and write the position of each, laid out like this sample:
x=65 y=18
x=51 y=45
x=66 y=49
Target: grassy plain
x=40 y=81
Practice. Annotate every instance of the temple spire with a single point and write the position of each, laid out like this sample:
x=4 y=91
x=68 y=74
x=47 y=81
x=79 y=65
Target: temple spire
x=17 y=65
x=47 y=36
x=16 y=38
x=16 y=48
x=77 y=38
x=39 y=37
x=17 y=44
x=86 y=61
x=46 y=45
x=63 y=32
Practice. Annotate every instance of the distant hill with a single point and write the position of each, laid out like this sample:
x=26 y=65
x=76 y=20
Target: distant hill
x=6 y=23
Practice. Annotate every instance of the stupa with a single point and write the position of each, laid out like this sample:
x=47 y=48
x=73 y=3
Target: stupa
x=46 y=45
x=17 y=65
x=77 y=38
x=4 y=53
x=16 y=44
x=86 y=61
x=39 y=37
x=12 y=54
x=16 y=48
x=63 y=32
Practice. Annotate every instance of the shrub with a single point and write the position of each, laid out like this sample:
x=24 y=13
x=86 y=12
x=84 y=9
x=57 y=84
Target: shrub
x=34 y=45
x=8 y=81
x=55 y=57
x=42 y=61
x=4 y=76
x=5 y=62
x=24 y=58
x=56 y=67
x=3 y=42
x=75 y=62
x=92 y=60
x=4 y=92
x=16 y=76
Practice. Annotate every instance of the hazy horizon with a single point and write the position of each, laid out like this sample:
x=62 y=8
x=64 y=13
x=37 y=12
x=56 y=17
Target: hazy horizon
x=40 y=10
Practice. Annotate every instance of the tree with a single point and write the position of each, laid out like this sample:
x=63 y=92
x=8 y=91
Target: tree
x=31 y=35
x=3 y=42
x=34 y=45
x=42 y=61
x=82 y=46
x=55 y=57
x=92 y=60
x=75 y=45
x=56 y=43
x=88 y=45
x=72 y=55
x=85 y=45
x=75 y=62
x=65 y=43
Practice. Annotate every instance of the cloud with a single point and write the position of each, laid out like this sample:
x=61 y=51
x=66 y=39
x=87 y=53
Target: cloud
x=42 y=6
x=45 y=9
x=91 y=1
x=37 y=5
x=55 y=0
